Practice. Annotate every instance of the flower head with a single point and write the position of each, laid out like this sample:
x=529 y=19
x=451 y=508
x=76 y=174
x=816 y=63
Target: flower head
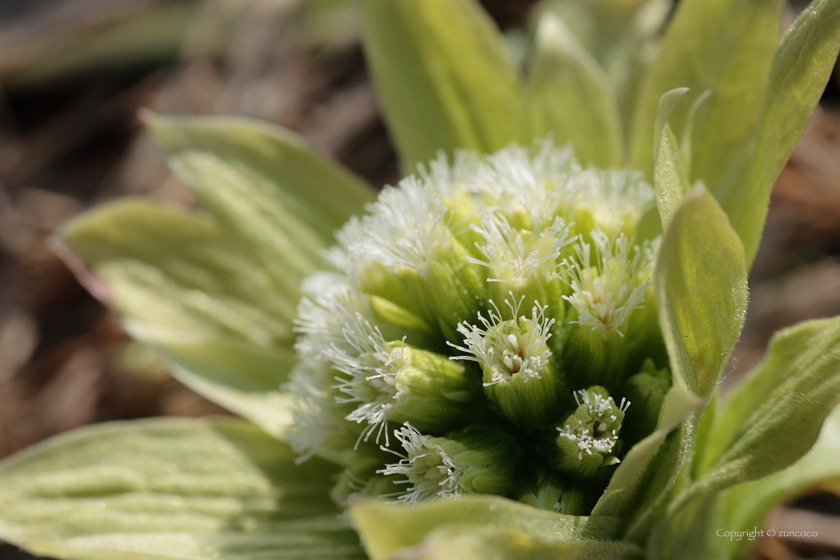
x=478 y=359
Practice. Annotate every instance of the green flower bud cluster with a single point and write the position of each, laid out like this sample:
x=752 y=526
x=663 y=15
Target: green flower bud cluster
x=488 y=329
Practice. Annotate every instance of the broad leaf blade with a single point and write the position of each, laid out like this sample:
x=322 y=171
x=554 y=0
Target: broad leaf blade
x=265 y=187
x=701 y=291
x=470 y=542
x=385 y=528
x=776 y=416
x=570 y=97
x=622 y=36
x=197 y=297
x=443 y=77
x=725 y=46
x=319 y=538
x=163 y=488
x=744 y=506
x=801 y=68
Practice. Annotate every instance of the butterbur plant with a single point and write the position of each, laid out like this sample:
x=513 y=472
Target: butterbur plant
x=513 y=353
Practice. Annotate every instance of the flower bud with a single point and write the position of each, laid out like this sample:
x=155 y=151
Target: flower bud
x=360 y=479
x=605 y=293
x=518 y=374
x=590 y=434
x=473 y=460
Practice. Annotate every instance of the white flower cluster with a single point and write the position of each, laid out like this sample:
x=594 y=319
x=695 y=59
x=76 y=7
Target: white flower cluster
x=433 y=254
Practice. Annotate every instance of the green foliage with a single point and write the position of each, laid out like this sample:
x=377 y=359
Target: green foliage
x=775 y=416
x=701 y=291
x=195 y=296
x=216 y=295
x=169 y=489
x=469 y=542
x=443 y=77
x=724 y=46
x=801 y=68
x=744 y=506
x=264 y=187
x=570 y=97
x=670 y=178
x=647 y=472
x=385 y=529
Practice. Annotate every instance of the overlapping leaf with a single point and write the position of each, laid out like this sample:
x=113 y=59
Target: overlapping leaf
x=801 y=68
x=216 y=295
x=776 y=415
x=701 y=291
x=443 y=77
x=386 y=528
x=725 y=46
x=197 y=297
x=170 y=489
x=570 y=97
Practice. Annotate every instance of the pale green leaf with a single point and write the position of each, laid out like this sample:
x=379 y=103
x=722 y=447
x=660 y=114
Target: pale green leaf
x=725 y=46
x=621 y=35
x=687 y=535
x=318 y=538
x=443 y=77
x=265 y=187
x=701 y=291
x=195 y=295
x=687 y=136
x=470 y=542
x=669 y=173
x=570 y=97
x=744 y=506
x=168 y=488
x=385 y=528
x=691 y=532
x=238 y=376
x=800 y=70
x=775 y=417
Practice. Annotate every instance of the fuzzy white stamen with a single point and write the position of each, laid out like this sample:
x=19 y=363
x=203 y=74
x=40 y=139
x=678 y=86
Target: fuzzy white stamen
x=369 y=376
x=328 y=304
x=438 y=473
x=513 y=259
x=314 y=409
x=516 y=348
x=593 y=434
x=607 y=291
x=531 y=180
x=407 y=223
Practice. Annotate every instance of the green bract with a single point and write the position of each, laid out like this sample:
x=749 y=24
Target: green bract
x=510 y=354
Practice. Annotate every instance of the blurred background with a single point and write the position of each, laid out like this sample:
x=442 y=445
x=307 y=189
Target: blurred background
x=73 y=74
